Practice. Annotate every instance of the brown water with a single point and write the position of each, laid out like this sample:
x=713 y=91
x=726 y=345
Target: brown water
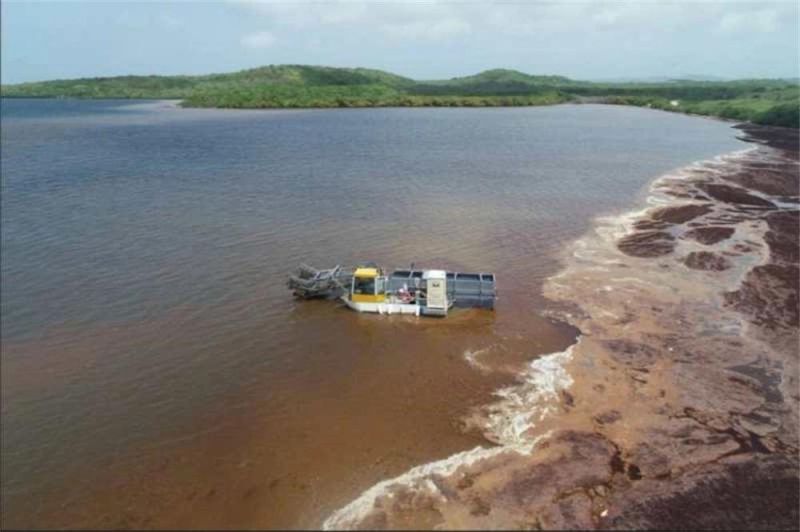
x=157 y=373
x=678 y=406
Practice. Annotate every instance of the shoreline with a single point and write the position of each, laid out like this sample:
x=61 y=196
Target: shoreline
x=248 y=482
x=178 y=103
x=677 y=408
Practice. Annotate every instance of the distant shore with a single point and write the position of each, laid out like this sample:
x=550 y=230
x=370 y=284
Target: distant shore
x=760 y=101
x=179 y=102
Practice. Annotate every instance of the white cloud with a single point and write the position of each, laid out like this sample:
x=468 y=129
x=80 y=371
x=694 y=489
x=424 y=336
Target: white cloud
x=438 y=30
x=449 y=28
x=542 y=35
x=449 y=18
x=413 y=20
x=765 y=20
x=257 y=41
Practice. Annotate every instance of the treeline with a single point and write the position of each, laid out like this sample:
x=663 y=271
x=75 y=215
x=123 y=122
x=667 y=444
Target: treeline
x=483 y=88
x=325 y=96
x=776 y=107
x=774 y=102
x=693 y=90
x=165 y=87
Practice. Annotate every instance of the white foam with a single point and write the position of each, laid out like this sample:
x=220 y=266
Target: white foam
x=522 y=405
x=624 y=280
x=417 y=478
x=472 y=358
x=509 y=423
x=612 y=227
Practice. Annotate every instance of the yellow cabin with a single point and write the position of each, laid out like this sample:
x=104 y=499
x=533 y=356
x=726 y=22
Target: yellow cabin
x=368 y=286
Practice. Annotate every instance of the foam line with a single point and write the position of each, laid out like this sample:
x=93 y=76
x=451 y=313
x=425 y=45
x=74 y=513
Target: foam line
x=509 y=423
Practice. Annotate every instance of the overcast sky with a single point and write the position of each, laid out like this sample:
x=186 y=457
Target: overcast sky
x=424 y=40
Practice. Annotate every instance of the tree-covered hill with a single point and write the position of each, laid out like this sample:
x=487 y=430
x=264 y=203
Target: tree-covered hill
x=763 y=101
x=185 y=86
x=503 y=75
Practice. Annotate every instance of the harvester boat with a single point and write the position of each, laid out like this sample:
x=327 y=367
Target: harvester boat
x=421 y=292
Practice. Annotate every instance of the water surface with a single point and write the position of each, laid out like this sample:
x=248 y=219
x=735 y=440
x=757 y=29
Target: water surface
x=156 y=371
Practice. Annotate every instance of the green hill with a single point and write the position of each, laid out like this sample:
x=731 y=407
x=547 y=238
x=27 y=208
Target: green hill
x=502 y=75
x=761 y=101
x=185 y=86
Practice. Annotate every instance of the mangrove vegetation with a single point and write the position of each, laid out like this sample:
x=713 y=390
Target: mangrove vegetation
x=761 y=101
